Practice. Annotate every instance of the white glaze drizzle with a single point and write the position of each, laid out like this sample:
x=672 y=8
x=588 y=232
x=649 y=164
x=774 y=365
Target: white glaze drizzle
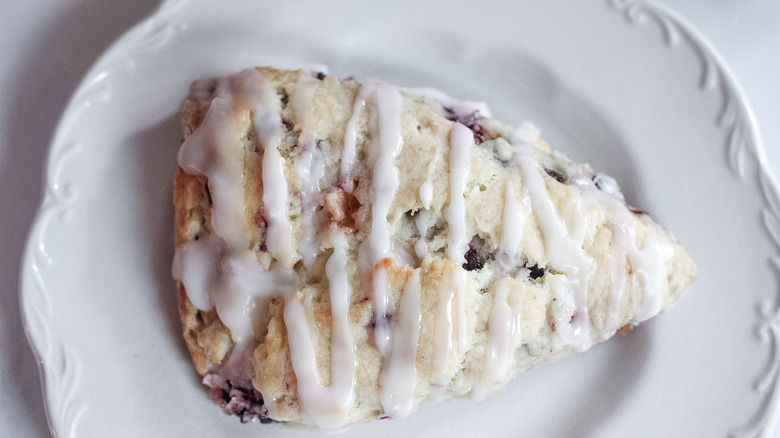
x=512 y=226
x=326 y=405
x=451 y=293
x=423 y=216
x=215 y=149
x=426 y=193
x=386 y=143
x=572 y=324
x=241 y=280
x=505 y=335
x=268 y=126
x=310 y=167
x=228 y=279
x=302 y=103
x=422 y=223
x=648 y=263
x=457 y=106
x=618 y=274
x=398 y=377
x=563 y=241
x=349 y=152
x=461 y=141
x=196 y=264
x=442 y=341
x=220 y=270
x=426 y=188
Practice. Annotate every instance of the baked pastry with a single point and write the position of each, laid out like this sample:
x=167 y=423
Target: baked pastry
x=346 y=252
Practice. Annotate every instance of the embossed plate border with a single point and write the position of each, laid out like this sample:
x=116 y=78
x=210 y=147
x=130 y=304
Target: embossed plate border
x=60 y=366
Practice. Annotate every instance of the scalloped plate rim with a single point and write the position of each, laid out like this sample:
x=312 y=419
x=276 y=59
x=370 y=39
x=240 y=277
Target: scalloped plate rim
x=28 y=264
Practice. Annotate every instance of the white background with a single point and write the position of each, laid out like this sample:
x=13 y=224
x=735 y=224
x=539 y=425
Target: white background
x=46 y=46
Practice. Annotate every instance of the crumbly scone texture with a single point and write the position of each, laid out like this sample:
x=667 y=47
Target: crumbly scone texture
x=425 y=130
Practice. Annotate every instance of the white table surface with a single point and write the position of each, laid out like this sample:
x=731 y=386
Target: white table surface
x=47 y=45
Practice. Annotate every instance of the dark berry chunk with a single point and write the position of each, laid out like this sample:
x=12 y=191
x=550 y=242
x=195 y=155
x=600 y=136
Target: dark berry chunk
x=597 y=181
x=636 y=211
x=600 y=182
x=558 y=176
x=262 y=224
x=465 y=119
x=477 y=255
x=470 y=121
x=208 y=194
x=535 y=272
x=385 y=321
x=241 y=400
x=378 y=327
x=320 y=75
x=284 y=98
x=474 y=260
x=480 y=133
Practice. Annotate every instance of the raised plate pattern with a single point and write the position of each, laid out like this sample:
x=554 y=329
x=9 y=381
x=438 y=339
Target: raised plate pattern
x=60 y=367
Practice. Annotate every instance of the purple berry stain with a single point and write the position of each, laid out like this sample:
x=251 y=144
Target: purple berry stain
x=470 y=121
x=243 y=401
x=558 y=176
x=474 y=260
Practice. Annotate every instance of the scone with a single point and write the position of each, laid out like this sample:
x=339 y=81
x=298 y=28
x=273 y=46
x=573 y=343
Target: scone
x=347 y=252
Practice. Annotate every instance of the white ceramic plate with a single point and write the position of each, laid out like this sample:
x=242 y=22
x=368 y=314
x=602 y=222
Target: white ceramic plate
x=625 y=85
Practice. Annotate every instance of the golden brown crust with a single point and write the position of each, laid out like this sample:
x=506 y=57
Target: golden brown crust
x=342 y=207
x=207 y=339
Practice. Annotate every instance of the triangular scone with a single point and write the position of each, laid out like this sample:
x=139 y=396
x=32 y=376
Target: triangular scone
x=346 y=252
